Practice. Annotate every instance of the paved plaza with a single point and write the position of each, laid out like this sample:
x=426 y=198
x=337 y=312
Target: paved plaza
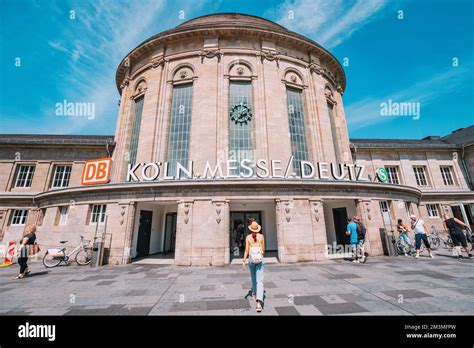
x=382 y=286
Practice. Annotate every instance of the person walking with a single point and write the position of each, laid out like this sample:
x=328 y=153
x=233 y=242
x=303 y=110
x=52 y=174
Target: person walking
x=420 y=228
x=453 y=227
x=352 y=232
x=362 y=237
x=403 y=234
x=255 y=250
x=28 y=239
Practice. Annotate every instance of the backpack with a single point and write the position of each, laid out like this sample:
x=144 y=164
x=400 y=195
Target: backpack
x=255 y=253
x=361 y=230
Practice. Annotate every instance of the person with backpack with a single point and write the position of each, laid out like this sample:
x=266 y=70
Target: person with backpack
x=352 y=232
x=421 y=234
x=254 y=250
x=361 y=236
x=453 y=226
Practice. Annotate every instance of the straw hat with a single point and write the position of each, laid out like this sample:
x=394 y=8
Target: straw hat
x=255 y=227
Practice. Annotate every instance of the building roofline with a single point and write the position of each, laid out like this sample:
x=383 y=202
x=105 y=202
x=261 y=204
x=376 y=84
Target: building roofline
x=53 y=139
x=180 y=29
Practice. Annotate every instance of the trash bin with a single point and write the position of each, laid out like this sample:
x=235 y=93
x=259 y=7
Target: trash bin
x=96 y=260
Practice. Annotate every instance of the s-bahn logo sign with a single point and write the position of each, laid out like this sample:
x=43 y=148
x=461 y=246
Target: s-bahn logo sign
x=245 y=169
x=96 y=171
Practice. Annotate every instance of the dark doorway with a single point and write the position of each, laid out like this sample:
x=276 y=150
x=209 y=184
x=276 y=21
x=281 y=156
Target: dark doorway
x=144 y=233
x=239 y=222
x=170 y=233
x=457 y=213
x=340 y=225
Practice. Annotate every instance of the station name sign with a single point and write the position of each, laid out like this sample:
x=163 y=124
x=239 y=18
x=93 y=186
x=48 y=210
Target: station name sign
x=245 y=169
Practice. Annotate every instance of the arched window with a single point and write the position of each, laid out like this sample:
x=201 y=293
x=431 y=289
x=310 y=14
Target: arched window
x=241 y=118
x=180 y=119
x=296 y=119
x=331 y=105
x=138 y=98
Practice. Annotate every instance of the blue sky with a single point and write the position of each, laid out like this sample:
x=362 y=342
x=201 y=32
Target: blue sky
x=47 y=57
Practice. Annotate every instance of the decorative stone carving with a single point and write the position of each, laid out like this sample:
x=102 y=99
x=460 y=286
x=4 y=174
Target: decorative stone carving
x=240 y=70
x=210 y=53
x=184 y=73
x=157 y=61
x=328 y=92
x=270 y=56
x=125 y=83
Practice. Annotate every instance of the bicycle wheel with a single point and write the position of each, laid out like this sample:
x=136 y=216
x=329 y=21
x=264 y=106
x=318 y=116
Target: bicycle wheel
x=435 y=243
x=84 y=257
x=50 y=261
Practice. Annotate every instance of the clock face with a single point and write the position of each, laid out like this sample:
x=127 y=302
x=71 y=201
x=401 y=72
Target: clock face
x=241 y=113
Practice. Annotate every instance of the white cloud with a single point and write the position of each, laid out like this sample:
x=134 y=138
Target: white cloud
x=366 y=112
x=328 y=22
x=102 y=33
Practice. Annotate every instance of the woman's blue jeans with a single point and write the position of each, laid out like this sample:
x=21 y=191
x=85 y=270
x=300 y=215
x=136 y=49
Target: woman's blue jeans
x=256 y=275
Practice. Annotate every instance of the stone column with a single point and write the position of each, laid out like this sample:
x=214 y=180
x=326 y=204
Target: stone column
x=319 y=230
x=184 y=233
x=369 y=211
x=295 y=233
x=128 y=238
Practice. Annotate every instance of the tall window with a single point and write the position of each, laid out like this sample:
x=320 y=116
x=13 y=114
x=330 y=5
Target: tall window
x=19 y=217
x=420 y=176
x=385 y=209
x=433 y=211
x=61 y=176
x=241 y=134
x=137 y=119
x=447 y=173
x=393 y=175
x=180 y=127
x=24 y=175
x=63 y=213
x=98 y=213
x=299 y=147
x=333 y=130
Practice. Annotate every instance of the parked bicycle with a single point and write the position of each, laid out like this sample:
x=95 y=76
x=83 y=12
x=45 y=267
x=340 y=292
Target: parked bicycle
x=54 y=257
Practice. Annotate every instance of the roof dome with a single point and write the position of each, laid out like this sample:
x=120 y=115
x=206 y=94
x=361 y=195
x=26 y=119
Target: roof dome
x=231 y=19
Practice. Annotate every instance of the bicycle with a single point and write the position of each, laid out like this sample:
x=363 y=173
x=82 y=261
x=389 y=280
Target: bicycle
x=83 y=255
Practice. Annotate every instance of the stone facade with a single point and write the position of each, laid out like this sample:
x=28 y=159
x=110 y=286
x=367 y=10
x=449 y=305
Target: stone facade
x=194 y=219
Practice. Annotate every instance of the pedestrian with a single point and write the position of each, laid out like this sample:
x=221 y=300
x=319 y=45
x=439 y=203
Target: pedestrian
x=405 y=239
x=352 y=232
x=420 y=228
x=29 y=239
x=453 y=227
x=255 y=250
x=362 y=237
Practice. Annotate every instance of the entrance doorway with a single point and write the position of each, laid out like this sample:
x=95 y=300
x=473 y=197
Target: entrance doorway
x=144 y=233
x=170 y=233
x=340 y=225
x=239 y=222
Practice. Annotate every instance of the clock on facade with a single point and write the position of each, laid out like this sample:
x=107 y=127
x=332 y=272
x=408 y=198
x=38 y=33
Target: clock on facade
x=241 y=113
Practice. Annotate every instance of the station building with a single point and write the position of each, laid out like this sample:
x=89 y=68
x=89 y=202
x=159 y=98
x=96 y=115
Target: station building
x=224 y=118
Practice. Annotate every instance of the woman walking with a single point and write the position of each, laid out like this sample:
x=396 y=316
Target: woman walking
x=254 y=250
x=28 y=239
x=453 y=226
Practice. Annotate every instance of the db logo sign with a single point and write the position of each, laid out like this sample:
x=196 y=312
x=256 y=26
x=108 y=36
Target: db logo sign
x=96 y=171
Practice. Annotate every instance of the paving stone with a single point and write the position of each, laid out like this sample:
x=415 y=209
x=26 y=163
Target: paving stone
x=106 y=282
x=406 y=294
x=308 y=300
x=340 y=308
x=287 y=310
x=207 y=287
x=227 y=304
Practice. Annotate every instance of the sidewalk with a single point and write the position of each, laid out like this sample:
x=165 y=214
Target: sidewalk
x=382 y=286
